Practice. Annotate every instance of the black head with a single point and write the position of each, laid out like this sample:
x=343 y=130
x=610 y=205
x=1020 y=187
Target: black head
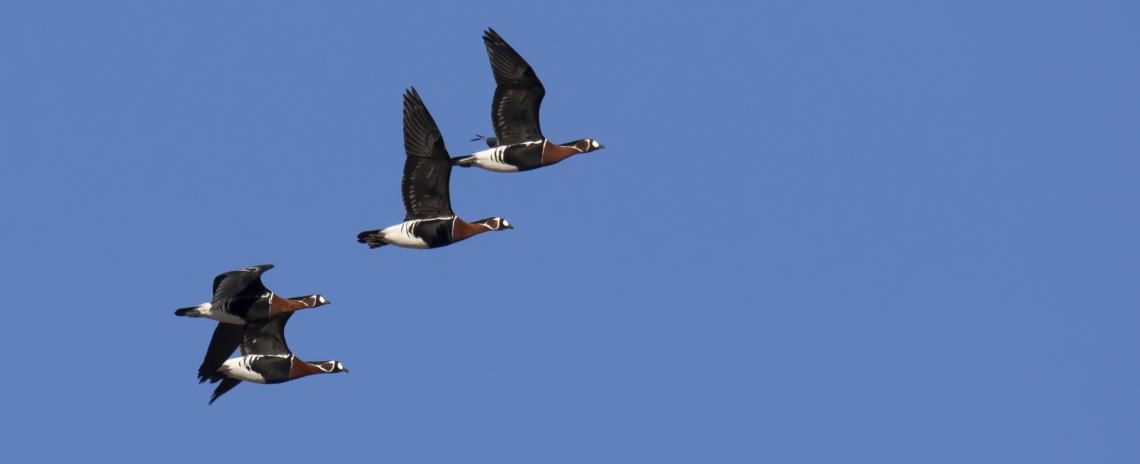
x=330 y=367
x=585 y=145
x=494 y=223
x=259 y=268
x=312 y=301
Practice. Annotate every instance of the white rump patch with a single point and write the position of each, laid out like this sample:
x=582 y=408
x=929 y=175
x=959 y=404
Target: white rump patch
x=491 y=159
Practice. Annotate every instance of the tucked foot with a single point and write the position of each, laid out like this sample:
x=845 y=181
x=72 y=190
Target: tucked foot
x=492 y=141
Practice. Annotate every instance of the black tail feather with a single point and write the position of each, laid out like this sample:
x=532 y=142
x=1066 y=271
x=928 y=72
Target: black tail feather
x=371 y=238
x=463 y=161
x=188 y=312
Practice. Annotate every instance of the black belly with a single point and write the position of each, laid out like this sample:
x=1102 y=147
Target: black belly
x=275 y=369
x=524 y=157
x=436 y=232
x=250 y=308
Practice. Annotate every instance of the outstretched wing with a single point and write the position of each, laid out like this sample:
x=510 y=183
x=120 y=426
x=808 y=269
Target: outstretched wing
x=227 y=384
x=226 y=339
x=243 y=284
x=518 y=94
x=427 y=169
x=266 y=336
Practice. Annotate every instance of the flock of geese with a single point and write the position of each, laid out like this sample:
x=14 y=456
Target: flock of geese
x=252 y=317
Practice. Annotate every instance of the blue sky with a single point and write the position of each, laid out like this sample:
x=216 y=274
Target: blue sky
x=823 y=231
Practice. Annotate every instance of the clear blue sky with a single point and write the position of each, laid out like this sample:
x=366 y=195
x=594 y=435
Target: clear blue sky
x=821 y=232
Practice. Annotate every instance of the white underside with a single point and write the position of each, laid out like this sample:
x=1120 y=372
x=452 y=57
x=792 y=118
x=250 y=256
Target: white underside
x=401 y=234
x=492 y=160
x=206 y=310
x=239 y=368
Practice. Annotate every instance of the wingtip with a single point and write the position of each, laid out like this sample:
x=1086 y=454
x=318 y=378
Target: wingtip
x=412 y=97
x=492 y=38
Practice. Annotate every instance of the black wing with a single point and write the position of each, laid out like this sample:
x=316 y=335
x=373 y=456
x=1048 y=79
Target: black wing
x=242 y=284
x=518 y=95
x=226 y=339
x=226 y=385
x=266 y=336
x=427 y=169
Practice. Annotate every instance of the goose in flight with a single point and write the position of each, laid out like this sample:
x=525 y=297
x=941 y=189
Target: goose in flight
x=430 y=222
x=518 y=144
x=266 y=358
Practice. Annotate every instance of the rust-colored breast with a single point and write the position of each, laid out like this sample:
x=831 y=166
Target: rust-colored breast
x=553 y=153
x=279 y=306
x=461 y=229
x=301 y=368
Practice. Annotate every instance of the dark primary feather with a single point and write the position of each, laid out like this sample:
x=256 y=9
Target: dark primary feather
x=226 y=385
x=427 y=169
x=518 y=94
x=242 y=284
x=266 y=336
x=226 y=339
